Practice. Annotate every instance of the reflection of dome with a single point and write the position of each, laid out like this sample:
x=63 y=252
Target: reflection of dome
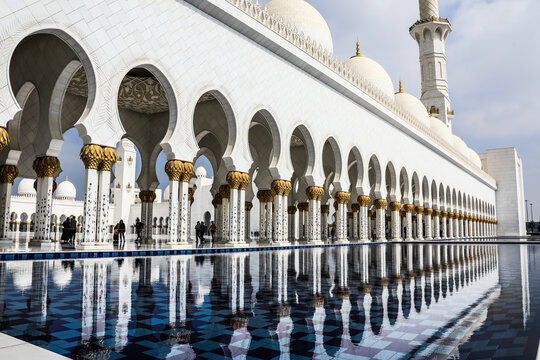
x=166 y=193
x=66 y=191
x=371 y=71
x=441 y=130
x=26 y=188
x=306 y=19
x=22 y=275
x=61 y=276
x=413 y=105
x=200 y=172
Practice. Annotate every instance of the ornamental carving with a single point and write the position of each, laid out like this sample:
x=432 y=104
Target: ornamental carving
x=355 y=207
x=451 y=215
x=419 y=210
x=291 y=210
x=395 y=206
x=234 y=179
x=187 y=171
x=436 y=212
x=91 y=156
x=225 y=191
x=408 y=208
x=147 y=196
x=109 y=159
x=191 y=192
x=46 y=166
x=364 y=200
x=325 y=209
x=380 y=204
x=268 y=196
x=8 y=174
x=248 y=205
x=314 y=193
x=245 y=181
x=173 y=169
x=444 y=214
x=429 y=211
x=217 y=200
x=342 y=197
x=281 y=187
x=303 y=206
x=460 y=216
x=4 y=138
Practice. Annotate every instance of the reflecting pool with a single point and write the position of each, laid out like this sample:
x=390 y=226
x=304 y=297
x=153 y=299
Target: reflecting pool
x=352 y=302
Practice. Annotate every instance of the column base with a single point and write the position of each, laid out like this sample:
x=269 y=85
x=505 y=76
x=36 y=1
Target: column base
x=381 y=240
x=315 y=242
x=177 y=245
x=235 y=244
x=342 y=241
x=6 y=242
x=365 y=240
x=94 y=246
x=397 y=240
x=281 y=243
x=428 y=238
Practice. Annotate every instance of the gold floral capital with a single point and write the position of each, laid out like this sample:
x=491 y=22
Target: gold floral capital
x=245 y=181
x=303 y=206
x=314 y=193
x=46 y=166
x=325 y=209
x=217 y=200
x=364 y=200
x=4 y=138
x=444 y=214
x=281 y=187
x=234 y=179
x=408 y=208
x=380 y=204
x=187 y=171
x=291 y=210
x=355 y=207
x=8 y=174
x=343 y=197
x=436 y=212
x=248 y=205
x=91 y=156
x=173 y=169
x=419 y=210
x=225 y=191
x=451 y=215
x=147 y=196
x=110 y=157
x=395 y=206
x=428 y=211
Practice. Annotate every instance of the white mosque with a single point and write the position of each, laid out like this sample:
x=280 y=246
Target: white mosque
x=303 y=138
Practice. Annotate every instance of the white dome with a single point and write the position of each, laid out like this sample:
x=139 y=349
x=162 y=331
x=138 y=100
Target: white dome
x=200 y=172
x=460 y=146
x=66 y=191
x=372 y=71
x=440 y=129
x=473 y=156
x=414 y=106
x=26 y=188
x=305 y=18
x=166 y=193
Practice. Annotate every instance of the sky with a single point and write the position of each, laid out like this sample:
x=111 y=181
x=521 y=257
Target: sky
x=493 y=61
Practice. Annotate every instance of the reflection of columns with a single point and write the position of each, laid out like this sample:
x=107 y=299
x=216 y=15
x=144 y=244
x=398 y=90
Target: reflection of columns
x=173 y=168
x=427 y=220
x=409 y=223
x=147 y=198
x=380 y=213
x=314 y=194
x=325 y=211
x=437 y=224
x=363 y=202
x=342 y=198
x=45 y=168
x=419 y=224
x=281 y=190
x=395 y=220
x=8 y=173
x=356 y=213
x=109 y=159
x=248 y=206
x=291 y=211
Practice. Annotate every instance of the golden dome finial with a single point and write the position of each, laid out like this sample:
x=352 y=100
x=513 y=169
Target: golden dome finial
x=400 y=86
x=357 y=48
x=66 y=178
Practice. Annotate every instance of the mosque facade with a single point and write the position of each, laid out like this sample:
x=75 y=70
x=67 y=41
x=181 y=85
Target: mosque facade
x=298 y=139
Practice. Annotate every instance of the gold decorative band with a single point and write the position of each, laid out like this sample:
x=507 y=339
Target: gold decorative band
x=4 y=138
x=325 y=209
x=355 y=207
x=437 y=212
x=395 y=206
x=147 y=196
x=46 y=166
x=281 y=187
x=428 y=211
x=419 y=210
x=248 y=205
x=173 y=169
x=8 y=174
x=291 y=210
x=364 y=200
x=408 y=208
x=110 y=157
x=342 y=197
x=380 y=204
x=314 y=193
x=225 y=191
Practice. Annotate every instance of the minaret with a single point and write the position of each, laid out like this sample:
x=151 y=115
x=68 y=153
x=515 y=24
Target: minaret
x=430 y=32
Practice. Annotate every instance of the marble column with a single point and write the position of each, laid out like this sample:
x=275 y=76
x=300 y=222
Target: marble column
x=325 y=211
x=8 y=173
x=191 y=199
x=456 y=225
x=92 y=156
x=242 y=229
x=225 y=192
x=419 y=223
x=437 y=224
x=174 y=169
x=247 y=236
x=183 y=204
x=451 y=233
x=380 y=219
x=444 y=228
x=342 y=199
x=356 y=213
x=363 y=203
x=147 y=198
x=428 y=223
x=104 y=189
x=409 y=223
x=238 y=182
x=291 y=211
x=281 y=189
x=395 y=207
x=262 y=215
x=474 y=231
x=314 y=195
x=303 y=208
x=45 y=168
x=461 y=226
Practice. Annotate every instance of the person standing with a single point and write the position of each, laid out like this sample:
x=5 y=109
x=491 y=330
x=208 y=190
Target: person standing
x=197 y=233
x=73 y=229
x=121 y=233
x=213 y=229
x=139 y=226
x=66 y=228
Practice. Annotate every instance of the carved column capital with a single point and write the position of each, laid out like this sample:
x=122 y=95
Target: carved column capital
x=147 y=196
x=325 y=209
x=4 y=138
x=91 y=156
x=380 y=204
x=173 y=169
x=355 y=207
x=444 y=214
x=281 y=187
x=248 y=205
x=46 y=166
x=234 y=179
x=364 y=200
x=291 y=210
x=8 y=174
x=314 y=193
x=395 y=206
x=429 y=211
x=110 y=157
x=187 y=171
x=342 y=197
x=408 y=208
x=225 y=191
x=436 y=212
x=419 y=210
x=191 y=192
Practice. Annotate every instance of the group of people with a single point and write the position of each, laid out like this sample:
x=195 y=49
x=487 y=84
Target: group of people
x=69 y=229
x=201 y=229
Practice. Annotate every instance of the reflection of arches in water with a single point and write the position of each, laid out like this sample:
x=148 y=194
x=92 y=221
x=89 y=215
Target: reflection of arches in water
x=207 y=218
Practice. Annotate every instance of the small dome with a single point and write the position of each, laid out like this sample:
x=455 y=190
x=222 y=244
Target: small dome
x=441 y=130
x=305 y=18
x=473 y=156
x=26 y=188
x=460 y=146
x=166 y=193
x=413 y=105
x=372 y=71
x=66 y=191
x=200 y=172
